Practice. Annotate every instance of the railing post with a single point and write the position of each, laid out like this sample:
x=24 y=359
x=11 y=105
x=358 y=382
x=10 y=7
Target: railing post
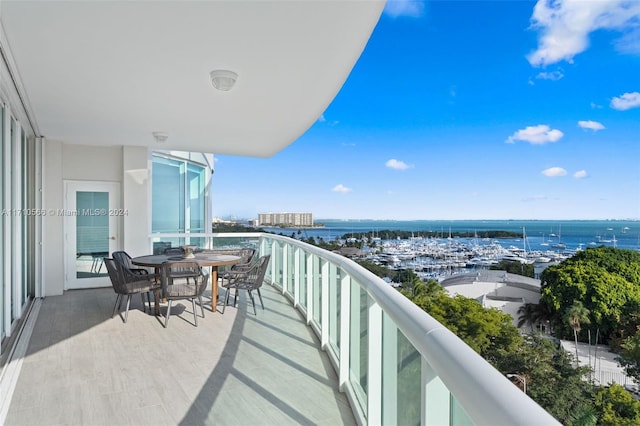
x=374 y=373
x=310 y=260
x=324 y=305
x=345 y=326
x=275 y=258
x=297 y=253
x=285 y=267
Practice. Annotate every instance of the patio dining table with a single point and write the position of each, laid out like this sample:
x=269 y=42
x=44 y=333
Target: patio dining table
x=203 y=259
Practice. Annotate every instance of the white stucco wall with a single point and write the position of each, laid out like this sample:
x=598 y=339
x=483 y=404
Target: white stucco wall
x=52 y=235
x=136 y=200
x=118 y=164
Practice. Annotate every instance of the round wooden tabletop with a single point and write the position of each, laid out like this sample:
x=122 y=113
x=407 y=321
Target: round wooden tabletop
x=203 y=259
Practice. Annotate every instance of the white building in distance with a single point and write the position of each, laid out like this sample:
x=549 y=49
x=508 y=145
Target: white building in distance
x=285 y=219
x=496 y=289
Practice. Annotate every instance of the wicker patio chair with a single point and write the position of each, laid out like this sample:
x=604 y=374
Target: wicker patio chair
x=248 y=279
x=123 y=258
x=183 y=280
x=126 y=283
x=249 y=258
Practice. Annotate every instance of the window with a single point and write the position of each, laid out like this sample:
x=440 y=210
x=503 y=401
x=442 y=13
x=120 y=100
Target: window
x=178 y=196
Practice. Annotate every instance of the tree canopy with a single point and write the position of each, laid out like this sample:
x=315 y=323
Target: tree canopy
x=514 y=267
x=605 y=280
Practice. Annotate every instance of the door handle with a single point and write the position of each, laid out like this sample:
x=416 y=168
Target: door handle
x=112 y=238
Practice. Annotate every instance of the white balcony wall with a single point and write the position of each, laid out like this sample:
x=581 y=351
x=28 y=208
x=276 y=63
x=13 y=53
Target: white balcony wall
x=136 y=199
x=127 y=166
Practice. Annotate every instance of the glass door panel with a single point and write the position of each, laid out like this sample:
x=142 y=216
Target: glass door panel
x=91 y=232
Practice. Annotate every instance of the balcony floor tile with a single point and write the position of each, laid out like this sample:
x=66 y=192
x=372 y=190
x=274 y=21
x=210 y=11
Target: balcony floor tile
x=82 y=367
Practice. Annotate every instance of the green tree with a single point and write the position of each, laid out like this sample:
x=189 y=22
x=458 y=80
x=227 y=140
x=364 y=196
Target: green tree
x=514 y=267
x=584 y=416
x=630 y=356
x=489 y=332
x=575 y=316
x=552 y=381
x=530 y=313
x=607 y=282
x=616 y=407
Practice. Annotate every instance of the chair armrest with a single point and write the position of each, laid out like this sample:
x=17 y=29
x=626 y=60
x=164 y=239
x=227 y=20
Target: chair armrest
x=130 y=275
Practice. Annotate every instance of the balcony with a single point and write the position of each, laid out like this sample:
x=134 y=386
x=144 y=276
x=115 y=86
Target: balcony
x=334 y=345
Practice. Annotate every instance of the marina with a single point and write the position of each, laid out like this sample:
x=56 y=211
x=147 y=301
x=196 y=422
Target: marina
x=435 y=250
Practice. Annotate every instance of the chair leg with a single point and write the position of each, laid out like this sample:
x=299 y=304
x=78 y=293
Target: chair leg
x=144 y=308
x=149 y=300
x=235 y=298
x=126 y=314
x=226 y=299
x=253 y=302
x=117 y=305
x=260 y=296
x=193 y=306
x=166 y=318
x=201 y=305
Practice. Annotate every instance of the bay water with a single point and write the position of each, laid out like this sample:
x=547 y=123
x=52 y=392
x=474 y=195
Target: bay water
x=540 y=234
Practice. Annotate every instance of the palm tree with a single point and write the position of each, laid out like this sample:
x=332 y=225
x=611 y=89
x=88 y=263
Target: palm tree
x=576 y=315
x=529 y=313
x=583 y=416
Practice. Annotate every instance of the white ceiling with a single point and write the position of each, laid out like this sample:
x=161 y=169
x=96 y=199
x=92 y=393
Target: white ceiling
x=111 y=73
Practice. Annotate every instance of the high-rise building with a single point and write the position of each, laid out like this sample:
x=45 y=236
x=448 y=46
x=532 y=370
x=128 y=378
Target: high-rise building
x=285 y=219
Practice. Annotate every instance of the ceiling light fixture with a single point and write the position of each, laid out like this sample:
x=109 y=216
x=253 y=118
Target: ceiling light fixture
x=160 y=136
x=223 y=79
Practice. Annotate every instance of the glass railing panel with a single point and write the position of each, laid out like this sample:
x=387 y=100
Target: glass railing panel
x=459 y=417
x=317 y=290
x=359 y=343
x=228 y=242
x=265 y=249
x=334 y=309
x=401 y=377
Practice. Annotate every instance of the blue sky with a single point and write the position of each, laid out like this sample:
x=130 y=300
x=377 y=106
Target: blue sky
x=468 y=110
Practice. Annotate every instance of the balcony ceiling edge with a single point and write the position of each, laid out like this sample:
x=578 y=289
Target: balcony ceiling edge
x=106 y=73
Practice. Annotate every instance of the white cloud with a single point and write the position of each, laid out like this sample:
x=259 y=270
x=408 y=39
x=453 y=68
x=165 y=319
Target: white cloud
x=323 y=119
x=591 y=125
x=565 y=26
x=397 y=164
x=629 y=43
x=553 y=76
x=341 y=188
x=554 y=172
x=580 y=174
x=410 y=8
x=595 y=105
x=626 y=101
x=536 y=135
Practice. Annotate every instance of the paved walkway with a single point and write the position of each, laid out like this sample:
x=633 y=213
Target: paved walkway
x=84 y=368
x=602 y=361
